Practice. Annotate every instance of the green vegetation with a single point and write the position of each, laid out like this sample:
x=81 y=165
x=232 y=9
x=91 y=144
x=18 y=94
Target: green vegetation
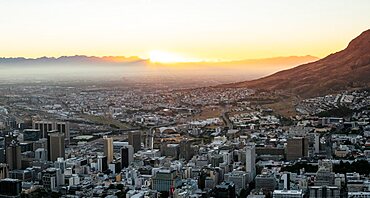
x=298 y=166
x=337 y=112
x=106 y=121
x=41 y=193
x=360 y=166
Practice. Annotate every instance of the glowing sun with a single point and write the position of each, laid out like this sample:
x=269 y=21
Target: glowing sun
x=166 y=57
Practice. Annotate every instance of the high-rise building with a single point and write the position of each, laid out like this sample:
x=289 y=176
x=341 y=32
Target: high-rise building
x=115 y=167
x=60 y=164
x=250 y=164
x=41 y=154
x=166 y=181
x=134 y=139
x=170 y=150
x=127 y=155
x=9 y=139
x=108 y=148
x=225 y=190
x=102 y=163
x=239 y=178
x=325 y=175
x=317 y=143
x=52 y=178
x=325 y=192
x=297 y=147
x=47 y=126
x=23 y=175
x=266 y=182
x=10 y=187
x=31 y=134
x=56 y=147
x=186 y=151
x=13 y=155
x=2 y=155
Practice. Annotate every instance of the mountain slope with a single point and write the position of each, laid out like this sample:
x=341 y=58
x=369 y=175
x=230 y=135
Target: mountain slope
x=346 y=69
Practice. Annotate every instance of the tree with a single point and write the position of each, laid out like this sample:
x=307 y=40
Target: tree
x=243 y=193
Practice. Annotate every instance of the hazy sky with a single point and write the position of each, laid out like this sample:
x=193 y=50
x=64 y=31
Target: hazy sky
x=196 y=29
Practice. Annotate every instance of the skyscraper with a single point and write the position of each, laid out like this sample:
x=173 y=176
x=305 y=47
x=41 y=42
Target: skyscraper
x=297 y=147
x=47 y=126
x=127 y=155
x=108 y=148
x=60 y=164
x=31 y=134
x=239 y=178
x=56 y=147
x=225 y=190
x=134 y=139
x=186 y=151
x=13 y=155
x=10 y=187
x=52 y=178
x=250 y=164
x=2 y=155
x=317 y=143
x=166 y=180
x=102 y=163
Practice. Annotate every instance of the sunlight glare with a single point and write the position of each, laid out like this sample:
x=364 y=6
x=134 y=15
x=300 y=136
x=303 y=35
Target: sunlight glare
x=166 y=57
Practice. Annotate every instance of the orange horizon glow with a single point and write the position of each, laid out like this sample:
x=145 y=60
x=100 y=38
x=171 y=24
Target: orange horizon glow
x=168 y=31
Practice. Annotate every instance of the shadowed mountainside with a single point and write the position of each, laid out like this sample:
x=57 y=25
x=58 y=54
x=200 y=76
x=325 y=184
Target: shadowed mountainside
x=346 y=69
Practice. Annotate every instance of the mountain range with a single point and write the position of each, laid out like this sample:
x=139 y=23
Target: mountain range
x=78 y=59
x=343 y=70
x=287 y=61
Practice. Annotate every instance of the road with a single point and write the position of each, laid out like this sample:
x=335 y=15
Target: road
x=225 y=118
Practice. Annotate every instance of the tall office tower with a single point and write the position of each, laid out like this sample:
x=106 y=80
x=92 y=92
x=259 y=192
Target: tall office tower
x=134 y=139
x=52 y=178
x=2 y=155
x=149 y=138
x=108 y=148
x=31 y=134
x=13 y=155
x=317 y=143
x=327 y=192
x=10 y=187
x=250 y=164
x=166 y=180
x=47 y=126
x=9 y=139
x=186 y=151
x=127 y=155
x=60 y=164
x=225 y=190
x=239 y=178
x=102 y=163
x=325 y=175
x=44 y=127
x=297 y=147
x=56 y=147
x=2 y=142
x=266 y=182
